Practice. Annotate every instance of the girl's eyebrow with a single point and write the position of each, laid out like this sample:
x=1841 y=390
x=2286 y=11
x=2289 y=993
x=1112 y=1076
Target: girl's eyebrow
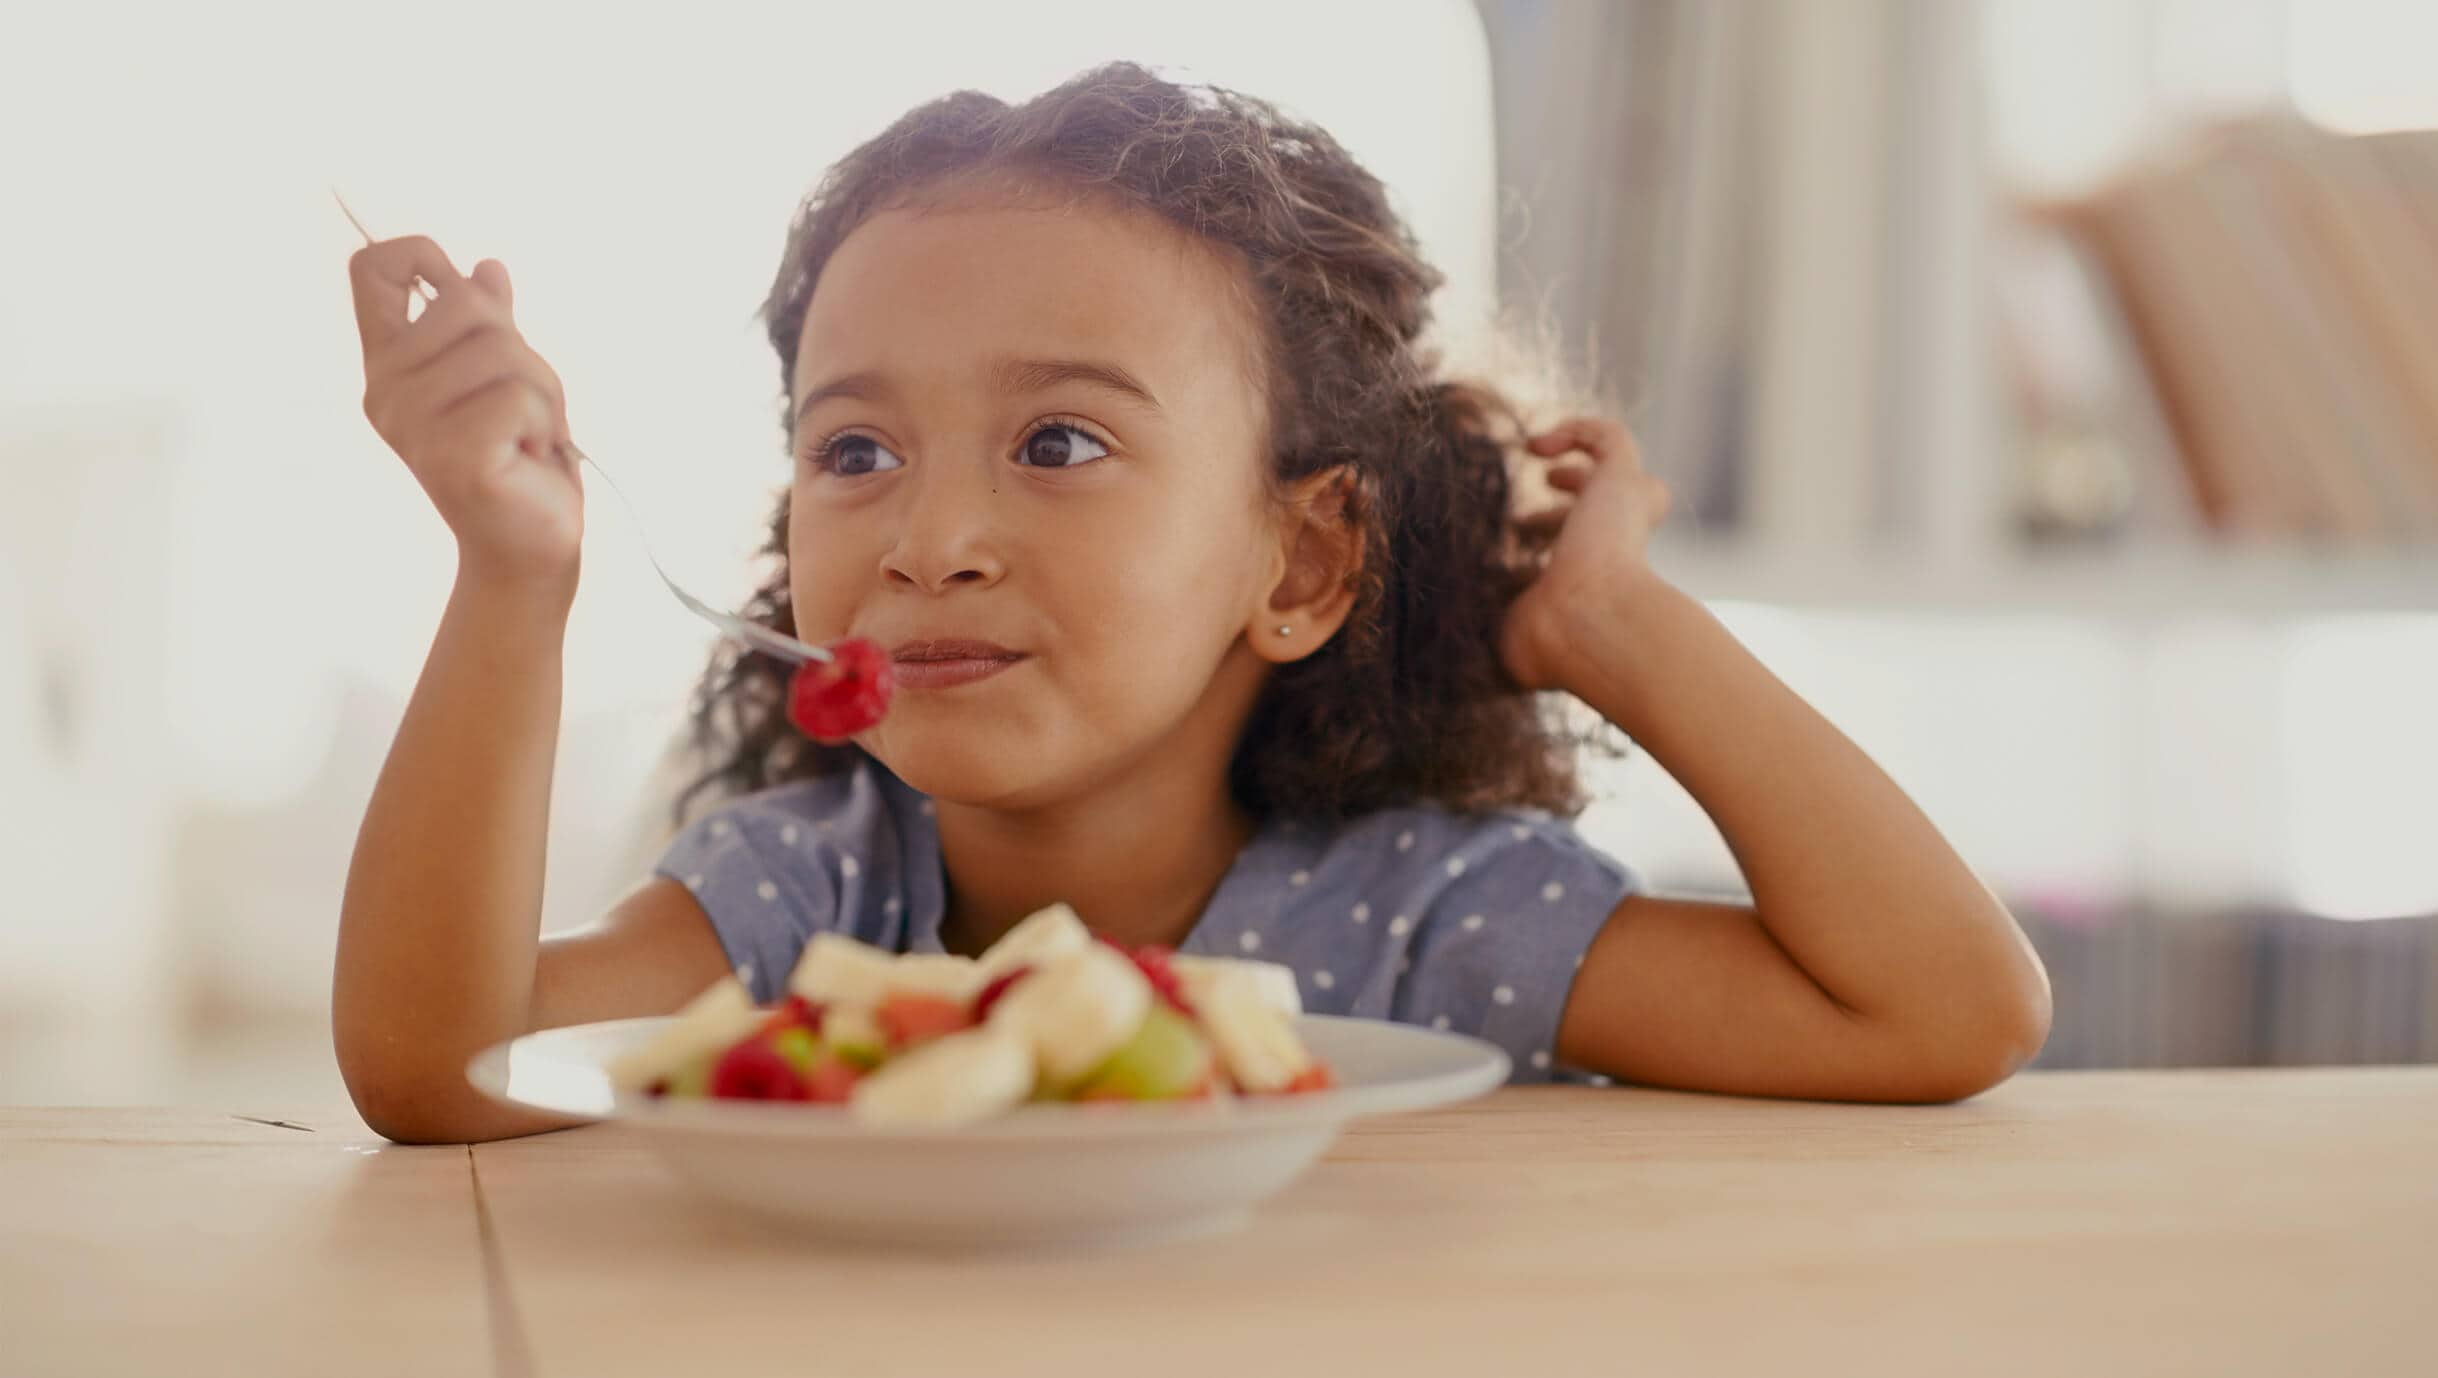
x=861 y=386
x=1040 y=375
x=1015 y=375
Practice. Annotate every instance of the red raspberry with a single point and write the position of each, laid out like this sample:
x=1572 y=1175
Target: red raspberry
x=990 y=994
x=832 y=701
x=753 y=1070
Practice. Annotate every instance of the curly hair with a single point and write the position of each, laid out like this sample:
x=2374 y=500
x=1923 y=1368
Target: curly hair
x=1410 y=701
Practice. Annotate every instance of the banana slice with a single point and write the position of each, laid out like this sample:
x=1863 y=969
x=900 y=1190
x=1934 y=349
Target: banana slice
x=1254 y=1038
x=711 y=1021
x=1044 y=936
x=1076 y=1011
x=944 y=974
x=950 y=1081
x=1203 y=978
x=837 y=970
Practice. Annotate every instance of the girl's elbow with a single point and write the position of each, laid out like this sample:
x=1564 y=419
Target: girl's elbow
x=2007 y=1031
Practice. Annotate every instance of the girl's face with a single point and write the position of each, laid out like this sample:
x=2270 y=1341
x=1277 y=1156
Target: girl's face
x=1035 y=426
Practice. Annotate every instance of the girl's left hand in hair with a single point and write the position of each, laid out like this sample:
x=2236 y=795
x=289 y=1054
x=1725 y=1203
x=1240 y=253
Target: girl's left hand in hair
x=1599 y=560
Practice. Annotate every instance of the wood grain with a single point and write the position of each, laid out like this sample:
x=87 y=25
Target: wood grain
x=187 y=1242
x=2239 y=1222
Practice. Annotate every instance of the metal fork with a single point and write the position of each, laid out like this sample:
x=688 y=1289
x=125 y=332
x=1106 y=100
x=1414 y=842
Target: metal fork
x=753 y=634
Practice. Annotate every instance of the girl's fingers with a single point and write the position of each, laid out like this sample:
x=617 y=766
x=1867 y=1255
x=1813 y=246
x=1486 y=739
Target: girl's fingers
x=1545 y=521
x=1598 y=437
x=499 y=356
x=457 y=316
x=383 y=276
x=510 y=404
x=1571 y=479
x=493 y=275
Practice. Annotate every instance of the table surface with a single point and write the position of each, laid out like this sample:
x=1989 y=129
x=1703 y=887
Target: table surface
x=2120 y=1223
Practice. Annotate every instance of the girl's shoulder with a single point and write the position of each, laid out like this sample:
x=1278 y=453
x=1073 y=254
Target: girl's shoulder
x=847 y=853
x=1435 y=848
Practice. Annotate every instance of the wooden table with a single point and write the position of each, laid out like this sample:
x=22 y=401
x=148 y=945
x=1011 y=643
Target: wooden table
x=2275 y=1222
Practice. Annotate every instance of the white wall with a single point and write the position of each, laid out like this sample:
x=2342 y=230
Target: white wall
x=246 y=589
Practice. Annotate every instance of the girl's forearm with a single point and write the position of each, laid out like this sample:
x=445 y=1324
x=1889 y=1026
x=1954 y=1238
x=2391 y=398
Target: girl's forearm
x=441 y=919
x=1848 y=875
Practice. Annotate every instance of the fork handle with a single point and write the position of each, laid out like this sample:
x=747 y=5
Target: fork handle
x=754 y=634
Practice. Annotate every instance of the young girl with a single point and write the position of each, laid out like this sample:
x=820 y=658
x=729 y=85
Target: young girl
x=1213 y=617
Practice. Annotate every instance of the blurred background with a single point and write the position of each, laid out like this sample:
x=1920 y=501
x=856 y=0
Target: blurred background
x=2050 y=388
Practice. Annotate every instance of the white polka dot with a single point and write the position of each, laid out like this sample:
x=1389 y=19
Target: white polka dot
x=1361 y=913
x=1300 y=878
x=1541 y=1060
x=848 y=866
x=767 y=890
x=1439 y=1021
x=1553 y=892
x=930 y=809
x=787 y=835
x=1473 y=923
x=1455 y=866
x=890 y=905
x=1504 y=995
x=1250 y=942
x=695 y=881
x=1578 y=961
x=1399 y=926
x=1519 y=832
x=1405 y=840
x=721 y=827
x=1598 y=1080
x=1324 y=980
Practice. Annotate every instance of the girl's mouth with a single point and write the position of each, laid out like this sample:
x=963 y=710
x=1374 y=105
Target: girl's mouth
x=944 y=672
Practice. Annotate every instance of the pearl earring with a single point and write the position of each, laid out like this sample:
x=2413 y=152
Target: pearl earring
x=1285 y=630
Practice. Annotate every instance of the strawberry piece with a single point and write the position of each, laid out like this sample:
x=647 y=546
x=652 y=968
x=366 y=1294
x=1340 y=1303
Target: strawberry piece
x=1313 y=1078
x=832 y=701
x=910 y=1019
x=1153 y=963
x=990 y=994
x=795 y=1012
x=832 y=1082
x=754 y=1070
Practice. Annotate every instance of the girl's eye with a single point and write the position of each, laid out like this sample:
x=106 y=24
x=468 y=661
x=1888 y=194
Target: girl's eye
x=1061 y=447
x=851 y=455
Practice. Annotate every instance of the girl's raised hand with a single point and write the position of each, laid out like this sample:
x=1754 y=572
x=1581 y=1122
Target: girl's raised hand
x=1598 y=560
x=472 y=409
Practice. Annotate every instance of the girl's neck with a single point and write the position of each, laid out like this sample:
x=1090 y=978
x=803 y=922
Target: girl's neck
x=1138 y=863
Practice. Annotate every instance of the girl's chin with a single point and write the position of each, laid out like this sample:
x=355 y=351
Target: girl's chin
x=958 y=767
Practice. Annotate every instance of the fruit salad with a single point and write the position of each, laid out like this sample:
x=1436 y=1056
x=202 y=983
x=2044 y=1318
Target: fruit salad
x=1050 y=1013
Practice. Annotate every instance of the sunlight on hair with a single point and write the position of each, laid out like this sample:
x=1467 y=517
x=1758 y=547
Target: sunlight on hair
x=2361 y=753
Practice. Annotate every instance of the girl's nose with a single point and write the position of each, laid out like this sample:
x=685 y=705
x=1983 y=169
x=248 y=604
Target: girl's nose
x=946 y=535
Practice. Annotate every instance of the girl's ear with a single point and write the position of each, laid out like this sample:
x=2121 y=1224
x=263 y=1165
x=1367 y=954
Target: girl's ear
x=1320 y=550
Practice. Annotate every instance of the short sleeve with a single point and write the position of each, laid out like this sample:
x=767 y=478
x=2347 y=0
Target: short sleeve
x=1495 y=951
x=766 y=870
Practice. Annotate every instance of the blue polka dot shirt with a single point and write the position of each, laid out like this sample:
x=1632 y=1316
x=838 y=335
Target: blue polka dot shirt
x=1470 y=922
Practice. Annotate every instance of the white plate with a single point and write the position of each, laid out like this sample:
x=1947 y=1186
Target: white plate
x=1039 y=1174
